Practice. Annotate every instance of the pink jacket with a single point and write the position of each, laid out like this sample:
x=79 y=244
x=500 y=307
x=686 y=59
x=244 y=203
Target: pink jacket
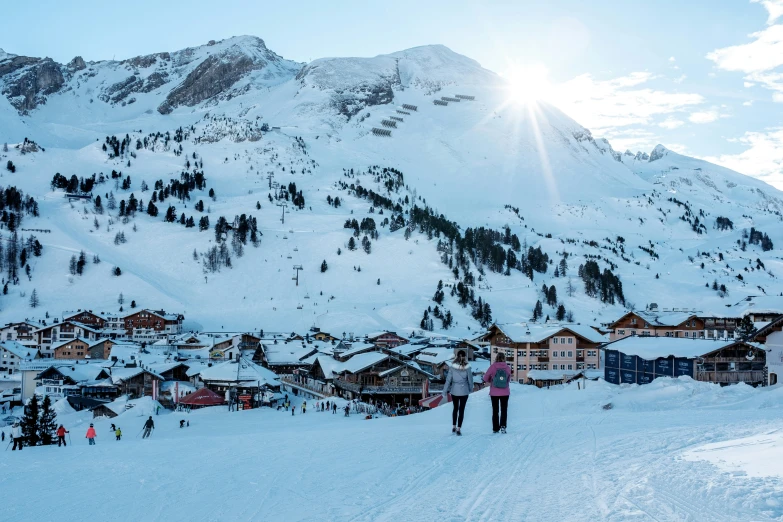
x=490 y=376
x=90 y=433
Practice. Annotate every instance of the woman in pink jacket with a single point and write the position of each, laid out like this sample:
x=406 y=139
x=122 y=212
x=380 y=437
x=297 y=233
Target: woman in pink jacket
x=498 y=376
x=91 y=435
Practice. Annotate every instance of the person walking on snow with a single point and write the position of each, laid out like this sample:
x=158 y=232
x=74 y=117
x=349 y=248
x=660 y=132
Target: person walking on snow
x=91 y=435
x=460 y=383
x=317 y=405
x=16 y=435
x=118 y=433
x=347 y=410
x=182 y=423
x=304 y=406
x=498 y=375
x=148 y=427
x=61 y=431
x=334 y=408
x=113 y=427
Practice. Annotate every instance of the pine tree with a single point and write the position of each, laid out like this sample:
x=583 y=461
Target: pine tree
x=561 y=312
x=34 y=302
x=30 y=422
x=117 y=272
x=324 y=266
x=746 y=328
x=351 y=244
x=121 y=299
x=47 y=425
x=538 y=311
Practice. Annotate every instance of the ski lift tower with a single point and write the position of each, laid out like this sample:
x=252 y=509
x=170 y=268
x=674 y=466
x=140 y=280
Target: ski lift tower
x=284 y=206
x=296 y=277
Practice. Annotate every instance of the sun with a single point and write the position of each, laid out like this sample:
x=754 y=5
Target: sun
x=528 y=83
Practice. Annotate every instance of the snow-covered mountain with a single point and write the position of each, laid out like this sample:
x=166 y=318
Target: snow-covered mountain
x=245 y=118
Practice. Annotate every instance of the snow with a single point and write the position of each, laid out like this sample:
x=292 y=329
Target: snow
x=564 y=458
x=650 y=347
x=361 y=361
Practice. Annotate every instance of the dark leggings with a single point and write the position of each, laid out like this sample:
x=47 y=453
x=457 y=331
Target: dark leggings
x=459 y=402
x=501 y=402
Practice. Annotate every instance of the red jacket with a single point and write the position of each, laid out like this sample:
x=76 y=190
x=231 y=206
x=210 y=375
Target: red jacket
x=61 y=432
x=90 y=433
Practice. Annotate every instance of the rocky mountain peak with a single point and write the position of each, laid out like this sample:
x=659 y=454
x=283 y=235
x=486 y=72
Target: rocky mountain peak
x=658 y=152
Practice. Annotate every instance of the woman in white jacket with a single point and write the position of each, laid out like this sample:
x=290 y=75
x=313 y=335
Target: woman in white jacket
x=459 y=383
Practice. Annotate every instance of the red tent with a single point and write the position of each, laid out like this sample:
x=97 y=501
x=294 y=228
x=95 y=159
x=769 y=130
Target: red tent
x=202 y=397
x=434 y=401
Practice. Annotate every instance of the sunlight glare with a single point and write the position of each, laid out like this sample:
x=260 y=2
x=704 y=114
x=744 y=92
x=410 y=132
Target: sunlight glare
x=528 y=84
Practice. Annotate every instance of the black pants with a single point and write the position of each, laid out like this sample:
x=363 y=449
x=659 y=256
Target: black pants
x=501 y=402
x=61 y=440
x=458 y=414
x=17 y=442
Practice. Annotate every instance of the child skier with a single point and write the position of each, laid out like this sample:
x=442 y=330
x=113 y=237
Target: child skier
x=118 y=433
x=61 y=431
x=91 y=435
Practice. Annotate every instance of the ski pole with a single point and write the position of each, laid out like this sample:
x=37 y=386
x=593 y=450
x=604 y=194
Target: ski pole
x=69 y=439
x=9 y=443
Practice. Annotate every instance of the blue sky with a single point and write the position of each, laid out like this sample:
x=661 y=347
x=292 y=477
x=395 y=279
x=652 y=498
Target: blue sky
x=702 y=77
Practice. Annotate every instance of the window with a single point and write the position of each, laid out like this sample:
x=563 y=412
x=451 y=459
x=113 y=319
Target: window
x=554 y=340
x=562 y=366
x=580 y=353
x=620 y=332
x=633 y=320
x=570 y=354
x=562 y=354
x=570 y=340
x=591 y=366
x=570 y=366
x=646 y=325
x=591 y=353
x=633 y=332
x=580 y=366
x=562 y=340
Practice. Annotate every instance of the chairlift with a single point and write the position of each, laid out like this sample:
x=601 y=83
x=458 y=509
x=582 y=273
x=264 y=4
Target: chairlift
x=289 y=256
x=296 y=249
x=299 y=307
x=290 y=230
x=285 y=237
x=307 y=296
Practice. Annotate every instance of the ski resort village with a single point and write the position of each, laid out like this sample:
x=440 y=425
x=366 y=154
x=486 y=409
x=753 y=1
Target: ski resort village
x=237 y=285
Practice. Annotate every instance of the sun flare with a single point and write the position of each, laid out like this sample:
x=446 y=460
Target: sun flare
x=528 y=84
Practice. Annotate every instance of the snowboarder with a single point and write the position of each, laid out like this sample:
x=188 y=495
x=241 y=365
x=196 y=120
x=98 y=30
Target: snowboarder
x=148 y=427
x=334 y=408
x=118 y=433
x=91 y=435
x=61 y=431
x=460 y=383
x=16 y=435
x=182 y=423
x=497 y=376
x=347 y=410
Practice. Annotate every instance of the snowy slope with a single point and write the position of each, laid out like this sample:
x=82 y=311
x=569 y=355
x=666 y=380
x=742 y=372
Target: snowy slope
x=564 y=458
x=470 y=160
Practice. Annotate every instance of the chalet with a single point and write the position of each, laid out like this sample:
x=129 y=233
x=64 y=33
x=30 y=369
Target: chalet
x=148 y=324
x=13 y=354
x=324 y=336
x=772 y=337
x=53 y=335
x=641 y=359
x=760 y=308
x=19 y=332
x=85 y=317
x=69 y=378
x=136 y=381
x=355 y=349
x=229 y=347
x=101 y=349
x=376 y=376
x=544 y=347
x=435 y=361
x=386 y=339
x=284 y=359
x=242 y=375
x=658 y=324
x=171 y=371
x=72 y=349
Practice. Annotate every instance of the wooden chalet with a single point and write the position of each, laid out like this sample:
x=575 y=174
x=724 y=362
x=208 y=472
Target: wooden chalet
x=135 y=381
x=374 y=376
x=736 y=362
x=72 y=349
x=658 y=324
x=86 y=317
x=386 y=339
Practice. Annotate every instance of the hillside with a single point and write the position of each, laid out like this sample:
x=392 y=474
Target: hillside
x=235 y=118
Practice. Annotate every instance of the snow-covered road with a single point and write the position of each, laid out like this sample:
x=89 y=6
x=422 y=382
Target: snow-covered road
x=564 y=458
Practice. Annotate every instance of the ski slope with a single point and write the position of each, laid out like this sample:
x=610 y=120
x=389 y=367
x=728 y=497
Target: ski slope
x=564 y=458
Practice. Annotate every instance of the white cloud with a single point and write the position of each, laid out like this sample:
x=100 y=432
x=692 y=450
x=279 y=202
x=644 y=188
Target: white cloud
x=773 y=7
x=671 y=123
x=748 y=103
x=748 y=84
x=680 y=79
x=604 y=106
x=671 y=59
x=707 y=116
x=764 y=53
x=763 y=157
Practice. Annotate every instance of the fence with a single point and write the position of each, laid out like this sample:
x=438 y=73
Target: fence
x=410 y=107
x=464 y=97
x=440 y=102
x=381 y=132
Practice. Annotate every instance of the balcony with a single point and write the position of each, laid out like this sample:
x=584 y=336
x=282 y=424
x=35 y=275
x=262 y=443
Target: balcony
x=361 y=388
x=543 y=358
x=580 y=358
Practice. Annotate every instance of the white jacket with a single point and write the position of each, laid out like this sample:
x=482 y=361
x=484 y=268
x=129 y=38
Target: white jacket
x=16 y=432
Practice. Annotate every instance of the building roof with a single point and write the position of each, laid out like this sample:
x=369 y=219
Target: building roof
x=77 y=372
x=754 y=304
x=363 y=361
x=330 y=366
x=649 y=347
x=68 y=341
x=20 y=350
x=119 y=375
x=202 y=397
x=291 y=353
x=552 y=375
x=357 y=348
x=536 y=333
x=435 y=356
x=240 y=371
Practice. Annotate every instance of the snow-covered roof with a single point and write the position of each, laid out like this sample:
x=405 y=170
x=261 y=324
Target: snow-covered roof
x=163 y=367
x=242 y=371
x=77 y=372
x=68 y=341
x=357 y=348
x=435 y=356
x=648 y=347
x=362 y=361
x=291 y=353
x=536 y=333
x=20 y=350
x=480 y=366
x=766 y=304
x=119 y=375
x=330 y=366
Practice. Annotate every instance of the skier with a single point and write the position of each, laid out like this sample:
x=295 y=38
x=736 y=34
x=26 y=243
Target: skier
x=327 y=406
x=293 y=410
x=498 y=375
x=286 y=404
x=113 y=427
x=182 y=423
x=304 y=407
x=317 y=405
x=334 y=408
x=148 y=427
x=460 y=383
x=16 y=435
x=91 y=435
x=347 y=410
x=61 y=431
x=187 y=424
x=118 y=433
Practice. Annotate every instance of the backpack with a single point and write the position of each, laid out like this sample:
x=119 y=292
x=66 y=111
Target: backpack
x=500 y=380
